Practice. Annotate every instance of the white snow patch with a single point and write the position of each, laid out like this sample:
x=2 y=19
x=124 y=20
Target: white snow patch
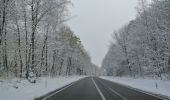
x=150 y=85
x=21 y=89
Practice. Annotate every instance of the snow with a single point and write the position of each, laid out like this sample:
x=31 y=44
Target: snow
x=145 y=84
x=21 y=89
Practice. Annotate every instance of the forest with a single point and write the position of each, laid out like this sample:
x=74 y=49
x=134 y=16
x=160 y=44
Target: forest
x=142 y=47
x=57 y=50
x=35 y=41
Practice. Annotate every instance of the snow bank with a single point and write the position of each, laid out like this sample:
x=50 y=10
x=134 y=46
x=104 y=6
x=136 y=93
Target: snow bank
x=154 y=86
x=17 y=89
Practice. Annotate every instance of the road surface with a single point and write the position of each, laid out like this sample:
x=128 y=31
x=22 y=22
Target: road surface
x=93 y=88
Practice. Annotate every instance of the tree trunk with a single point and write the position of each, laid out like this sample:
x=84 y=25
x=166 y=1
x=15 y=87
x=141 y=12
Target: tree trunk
x=5 y=51
x=53 y=65
x=46 y=58
x=45 y=49
x=2 y=33
x=26 y=42
x=19 y=48
x=61 y=64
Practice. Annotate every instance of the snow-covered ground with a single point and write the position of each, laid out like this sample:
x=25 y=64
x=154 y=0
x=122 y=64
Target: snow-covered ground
x=149 y=85
x=16 y=89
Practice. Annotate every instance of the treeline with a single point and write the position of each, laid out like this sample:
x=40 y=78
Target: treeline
x=142 y=47
x=34 y=41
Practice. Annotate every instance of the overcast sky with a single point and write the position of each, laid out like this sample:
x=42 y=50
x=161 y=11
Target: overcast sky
x=95 y=20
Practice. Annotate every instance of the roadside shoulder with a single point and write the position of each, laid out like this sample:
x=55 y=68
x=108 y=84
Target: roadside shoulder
x=161 y=96
x=44 y=97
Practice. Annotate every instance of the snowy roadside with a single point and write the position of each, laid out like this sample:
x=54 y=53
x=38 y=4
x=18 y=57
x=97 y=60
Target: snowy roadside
x=161 y=87
x=16 y=89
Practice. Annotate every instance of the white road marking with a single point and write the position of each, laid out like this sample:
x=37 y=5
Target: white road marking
x=101 y=94
x=117 y=94
x=57 y=92
x=123 y=98
x=144 y=92
x=138 y=90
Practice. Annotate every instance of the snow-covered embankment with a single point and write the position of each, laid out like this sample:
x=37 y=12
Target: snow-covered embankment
x=17 y=89
x=161 y=87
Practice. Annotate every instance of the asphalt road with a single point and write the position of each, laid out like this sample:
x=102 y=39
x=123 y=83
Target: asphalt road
x=93 y=88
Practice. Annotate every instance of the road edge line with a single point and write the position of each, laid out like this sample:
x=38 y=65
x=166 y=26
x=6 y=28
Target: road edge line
x=140 y=90
x=115 y=92
x=46 y=96
x=57 y=92
x=99 y=91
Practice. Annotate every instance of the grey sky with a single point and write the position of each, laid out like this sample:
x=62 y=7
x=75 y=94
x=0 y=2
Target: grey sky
x=95 y=21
